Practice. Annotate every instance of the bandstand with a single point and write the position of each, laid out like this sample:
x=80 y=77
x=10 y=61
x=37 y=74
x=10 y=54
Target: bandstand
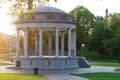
x=54 y=22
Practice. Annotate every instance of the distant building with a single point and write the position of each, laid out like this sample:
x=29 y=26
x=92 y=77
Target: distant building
x=10 y=42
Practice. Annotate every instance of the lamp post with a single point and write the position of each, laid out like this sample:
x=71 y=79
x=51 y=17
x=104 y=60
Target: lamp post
x=83 y=45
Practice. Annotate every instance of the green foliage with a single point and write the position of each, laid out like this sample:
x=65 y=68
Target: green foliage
x=100 y=76
x=88 y=54
x=19 y=7
x=95 y=40
x=84 y=23
x=22 y=77
x=112 y=43
x=99 y=34
x=105 y=37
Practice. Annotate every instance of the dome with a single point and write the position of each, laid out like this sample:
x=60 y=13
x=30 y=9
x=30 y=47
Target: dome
x=47 y=15
x=46 y=9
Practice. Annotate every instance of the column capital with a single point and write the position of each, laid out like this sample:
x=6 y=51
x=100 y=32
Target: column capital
x=25 y=29
x=69 y=29
x=57 y=28
x=73 y=29
x=40 y=27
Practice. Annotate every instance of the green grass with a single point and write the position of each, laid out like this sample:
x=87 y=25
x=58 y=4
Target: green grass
x=117 y=69
x=22 y=77
x=3 y=63
x=6 y=56
x=100 y=76
x=113 y=63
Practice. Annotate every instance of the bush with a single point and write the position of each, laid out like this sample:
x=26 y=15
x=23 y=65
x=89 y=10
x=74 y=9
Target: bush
x=94 y=55
x=89 y=54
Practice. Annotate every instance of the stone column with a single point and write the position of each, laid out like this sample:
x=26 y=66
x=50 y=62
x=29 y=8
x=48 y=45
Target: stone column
x=50 y=43
x=62 y=43
x=74 y=43
x=69 y=42
x=40 y=42
x=36 y=43
x=25 y=42
x=17 y=44
x=72 y=40
x=57 y=43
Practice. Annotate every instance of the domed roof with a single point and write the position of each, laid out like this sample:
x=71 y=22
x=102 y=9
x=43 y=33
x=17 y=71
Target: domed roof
x=47 y=15
x=46 y=9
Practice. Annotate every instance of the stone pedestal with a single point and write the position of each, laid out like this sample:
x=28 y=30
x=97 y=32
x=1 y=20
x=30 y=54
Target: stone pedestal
x=49 y=63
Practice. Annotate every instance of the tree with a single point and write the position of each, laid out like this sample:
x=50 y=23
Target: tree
x=19 y=7
x=84 y=23
x=3 y=45
x=99 y=34
x=112 y=44
x=105 y=36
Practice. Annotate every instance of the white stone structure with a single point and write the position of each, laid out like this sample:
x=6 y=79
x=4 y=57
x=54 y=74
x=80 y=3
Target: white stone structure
x=55 y=22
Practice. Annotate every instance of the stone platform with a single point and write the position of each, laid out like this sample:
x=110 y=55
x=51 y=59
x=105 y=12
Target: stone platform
x=47 y=63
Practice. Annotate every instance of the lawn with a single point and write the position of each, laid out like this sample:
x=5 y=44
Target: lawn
x=22 y=77
x=100 y=76
x=4 y=63
x=112 y=63
x=7 y=57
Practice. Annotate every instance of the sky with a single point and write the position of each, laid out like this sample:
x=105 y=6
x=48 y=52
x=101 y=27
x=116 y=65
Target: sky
x=97 y=7
x=5 y=26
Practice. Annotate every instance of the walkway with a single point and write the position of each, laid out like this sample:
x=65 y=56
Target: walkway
x=65 y=74
x=58 y=75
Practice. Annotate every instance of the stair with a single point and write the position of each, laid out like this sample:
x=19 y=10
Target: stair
x=83 y=63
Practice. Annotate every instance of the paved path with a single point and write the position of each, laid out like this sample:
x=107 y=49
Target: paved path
x=52 y=75
x=58 y=75
x=65 y=74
